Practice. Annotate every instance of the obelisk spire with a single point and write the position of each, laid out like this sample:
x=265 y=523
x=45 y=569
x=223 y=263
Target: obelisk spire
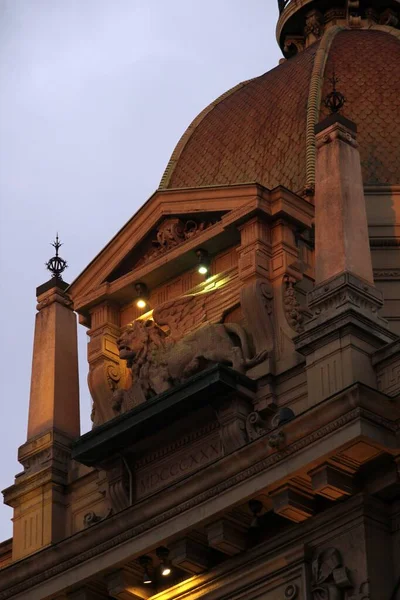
x=345 y=329
x=38 y=494
x=54 y=398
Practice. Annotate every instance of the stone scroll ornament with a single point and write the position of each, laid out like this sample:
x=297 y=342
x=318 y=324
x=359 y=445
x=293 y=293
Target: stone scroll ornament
x=178 y=342
x=330 y=578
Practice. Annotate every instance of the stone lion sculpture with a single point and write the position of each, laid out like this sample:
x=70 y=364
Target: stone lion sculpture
x=159 y=359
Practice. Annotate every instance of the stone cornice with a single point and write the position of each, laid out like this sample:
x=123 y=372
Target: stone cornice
x=352 y=406
x=387 y=353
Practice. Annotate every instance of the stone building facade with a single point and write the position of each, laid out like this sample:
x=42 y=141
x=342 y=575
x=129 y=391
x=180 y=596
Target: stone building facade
x=243 y=356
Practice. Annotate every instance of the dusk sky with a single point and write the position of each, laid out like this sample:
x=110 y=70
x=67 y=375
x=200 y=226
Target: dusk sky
x=94 y=96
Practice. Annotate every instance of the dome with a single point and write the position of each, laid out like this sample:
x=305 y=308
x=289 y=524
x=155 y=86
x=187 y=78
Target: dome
x=263 y=129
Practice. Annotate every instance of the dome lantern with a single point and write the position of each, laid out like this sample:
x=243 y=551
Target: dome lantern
x=303 y=22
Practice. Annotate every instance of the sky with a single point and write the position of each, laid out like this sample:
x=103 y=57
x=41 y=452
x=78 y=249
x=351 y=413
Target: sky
x=94 y=96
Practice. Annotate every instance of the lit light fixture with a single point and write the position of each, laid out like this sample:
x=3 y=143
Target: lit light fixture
x=203 y=261
x=165 y=565
x=142 y=295
x=146 y=562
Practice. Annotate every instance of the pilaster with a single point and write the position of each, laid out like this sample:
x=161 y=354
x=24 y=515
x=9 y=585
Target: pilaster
x=255 y=250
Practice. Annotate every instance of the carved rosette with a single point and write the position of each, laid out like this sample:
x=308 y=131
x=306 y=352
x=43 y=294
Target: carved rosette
x=291 y=592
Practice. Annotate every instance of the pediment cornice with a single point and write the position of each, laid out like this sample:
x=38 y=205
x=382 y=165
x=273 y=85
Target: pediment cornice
x=217 y=211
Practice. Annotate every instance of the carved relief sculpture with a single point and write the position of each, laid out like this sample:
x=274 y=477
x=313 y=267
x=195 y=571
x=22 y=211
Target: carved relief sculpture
x=178 y=343
x=294 y=313
x=329 y=577
x=314 y=24
x=171 y=233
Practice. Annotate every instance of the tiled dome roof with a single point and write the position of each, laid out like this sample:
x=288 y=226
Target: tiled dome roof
x=257 y=132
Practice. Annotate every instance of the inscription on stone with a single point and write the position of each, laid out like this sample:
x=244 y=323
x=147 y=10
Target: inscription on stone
x=187 y=460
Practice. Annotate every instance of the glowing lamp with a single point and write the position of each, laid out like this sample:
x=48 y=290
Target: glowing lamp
x=203 y=262
x=165 y=570
x=145 y=562
x=142 y=295
x=165 y=564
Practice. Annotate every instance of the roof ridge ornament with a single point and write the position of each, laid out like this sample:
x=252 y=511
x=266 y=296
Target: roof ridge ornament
x=56 y=265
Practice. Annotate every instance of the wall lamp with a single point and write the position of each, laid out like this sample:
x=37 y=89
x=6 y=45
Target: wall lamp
x=203 y=261
x=165 y=563
x=141 y=295
x=146 y=562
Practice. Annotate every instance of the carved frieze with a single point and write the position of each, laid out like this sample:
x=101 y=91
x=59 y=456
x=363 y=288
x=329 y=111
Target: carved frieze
x=185 y=460
x=49 y=450
x=171 y=233
x=346 y=291
x=386 y=274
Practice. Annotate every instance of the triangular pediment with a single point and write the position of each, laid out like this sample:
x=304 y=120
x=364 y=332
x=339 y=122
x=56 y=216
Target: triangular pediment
x=170 y=223
x=169 y=234
x=160 y=241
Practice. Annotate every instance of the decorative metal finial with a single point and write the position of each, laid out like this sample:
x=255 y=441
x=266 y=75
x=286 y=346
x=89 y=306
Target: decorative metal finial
x=282 y=5
x=56 y=265
x=335 y=100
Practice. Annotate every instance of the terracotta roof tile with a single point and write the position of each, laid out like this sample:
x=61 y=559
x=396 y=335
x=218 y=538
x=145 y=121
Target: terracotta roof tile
x=258 y=131
x=255 y=134
x=367 y=64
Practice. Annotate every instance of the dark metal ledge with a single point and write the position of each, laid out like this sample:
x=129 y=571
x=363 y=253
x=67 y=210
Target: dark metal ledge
x=205 y=388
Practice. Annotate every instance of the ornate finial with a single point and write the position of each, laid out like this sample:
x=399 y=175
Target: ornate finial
x=56 y=265
x=334 y=100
